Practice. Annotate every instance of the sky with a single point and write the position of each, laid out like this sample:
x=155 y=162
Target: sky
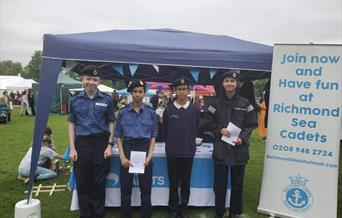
x=23 y=23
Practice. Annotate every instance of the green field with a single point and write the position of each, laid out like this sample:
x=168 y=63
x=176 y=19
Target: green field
x=15 y=141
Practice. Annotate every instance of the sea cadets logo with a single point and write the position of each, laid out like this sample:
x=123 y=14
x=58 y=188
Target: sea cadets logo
x=112 y=180
x=296 y=196
x=174 y=116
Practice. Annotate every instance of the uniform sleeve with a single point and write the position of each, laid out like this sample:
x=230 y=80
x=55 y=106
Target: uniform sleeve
x=110 y=111
x=154 y=132
x=210 y=122
x=72 y=116
x=165 y=125
x=118 y=126
x=48 y=152
x=250 y=123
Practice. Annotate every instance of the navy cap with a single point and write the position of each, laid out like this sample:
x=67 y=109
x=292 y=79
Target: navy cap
x=181 y=82
x=136 y=83
x=90 y=70
x=231 y=74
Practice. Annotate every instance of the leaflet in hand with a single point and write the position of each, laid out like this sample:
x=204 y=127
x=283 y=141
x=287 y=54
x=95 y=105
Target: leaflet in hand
x=137 y=160
x=234 y=134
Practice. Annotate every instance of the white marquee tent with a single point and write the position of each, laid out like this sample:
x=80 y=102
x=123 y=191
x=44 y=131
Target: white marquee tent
x=15 y=83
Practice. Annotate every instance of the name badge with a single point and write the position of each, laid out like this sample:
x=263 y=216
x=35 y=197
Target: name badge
x=101 y=104
x=212 y=109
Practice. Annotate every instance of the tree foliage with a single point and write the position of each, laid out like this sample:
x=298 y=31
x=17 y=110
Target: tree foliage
x=9 y=67
x=73 y=75
x=118 y=85
x=259 y=86
x=32 y=69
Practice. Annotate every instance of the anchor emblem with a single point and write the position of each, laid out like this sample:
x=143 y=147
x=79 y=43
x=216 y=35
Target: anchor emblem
x=297 y=196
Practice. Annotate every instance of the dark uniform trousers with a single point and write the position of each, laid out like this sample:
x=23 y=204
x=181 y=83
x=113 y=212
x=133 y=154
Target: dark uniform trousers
x=220 y=188
x=179 y=170
x=145 y=181
x=91 y=170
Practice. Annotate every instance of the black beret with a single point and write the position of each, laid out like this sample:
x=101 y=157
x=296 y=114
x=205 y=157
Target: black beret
x=90 y=70
x=136 y=83
x=231 y=74
x=180 y=82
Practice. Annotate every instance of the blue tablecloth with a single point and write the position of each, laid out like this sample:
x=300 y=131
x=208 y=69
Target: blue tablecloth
x=201 y=193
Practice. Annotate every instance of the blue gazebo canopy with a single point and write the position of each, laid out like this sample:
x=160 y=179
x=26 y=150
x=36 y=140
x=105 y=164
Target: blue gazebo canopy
x=159 y=55
x=174 y=52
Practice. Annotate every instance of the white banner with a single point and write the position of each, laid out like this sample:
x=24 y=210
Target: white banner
x=300 y=176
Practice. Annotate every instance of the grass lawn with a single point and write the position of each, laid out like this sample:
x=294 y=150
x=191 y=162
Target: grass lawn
x=15 y=141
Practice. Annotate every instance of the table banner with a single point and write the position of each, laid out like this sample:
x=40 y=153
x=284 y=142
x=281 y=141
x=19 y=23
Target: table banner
x=202 y=178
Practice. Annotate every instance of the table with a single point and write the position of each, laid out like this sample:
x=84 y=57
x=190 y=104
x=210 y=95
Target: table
x=202 y=178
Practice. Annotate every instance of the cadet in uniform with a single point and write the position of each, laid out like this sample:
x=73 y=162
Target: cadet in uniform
x=180 y=123
x=91 y=128
x=136 y=130
x=230 y=107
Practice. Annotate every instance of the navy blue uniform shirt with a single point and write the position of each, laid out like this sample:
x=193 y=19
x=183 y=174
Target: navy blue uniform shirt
x=91 y=116
x=133 y=125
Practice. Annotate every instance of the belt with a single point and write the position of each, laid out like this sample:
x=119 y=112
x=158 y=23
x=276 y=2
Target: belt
x=133 y=141
x=101 y=134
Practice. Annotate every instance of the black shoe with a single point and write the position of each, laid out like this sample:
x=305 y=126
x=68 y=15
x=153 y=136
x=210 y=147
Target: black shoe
x=218 y=216
x=183 y=214
x=173 y=215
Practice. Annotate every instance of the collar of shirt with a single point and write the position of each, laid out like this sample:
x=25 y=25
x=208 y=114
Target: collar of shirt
x=84 y=94
x=130 y=107
x=181 y=106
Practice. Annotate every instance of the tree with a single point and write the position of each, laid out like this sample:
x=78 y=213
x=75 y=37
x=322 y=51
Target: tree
x=32 y=69
x=73 y=75
x=259 y=86
x=120 y=84
x=10 y=68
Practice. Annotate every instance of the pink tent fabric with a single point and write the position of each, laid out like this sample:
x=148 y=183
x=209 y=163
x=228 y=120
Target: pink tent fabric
x=198 y=88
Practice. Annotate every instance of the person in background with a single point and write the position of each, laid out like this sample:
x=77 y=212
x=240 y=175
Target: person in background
x=17 y=98
x=6 y=98
x=48 y=131
x=45 y=154
x=267 y=89
x=49 y=164
x=12 y=95
x=31 y=102
x=25 y=105
x=230 y=107
x=91 y=135
x=115 y=97
x=155 y=100
x=180 y=125
x=261 y=122
x=199 y=101
x=136 y=130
